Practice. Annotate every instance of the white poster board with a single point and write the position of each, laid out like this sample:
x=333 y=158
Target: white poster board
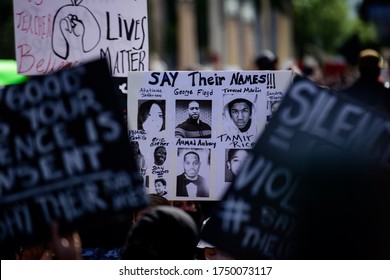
x=209 y=93
x=52 y=35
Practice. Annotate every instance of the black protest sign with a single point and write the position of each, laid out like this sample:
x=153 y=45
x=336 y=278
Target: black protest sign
x=120 y=90
x=312 y=186
x=64 y=153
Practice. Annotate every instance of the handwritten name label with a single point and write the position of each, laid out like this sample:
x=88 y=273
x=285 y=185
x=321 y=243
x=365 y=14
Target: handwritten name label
x=195 y=142
x=275 y=95
x=159 y=171
x=238 y=141
x=159 y=142
x=150 y=92
x=136 y=135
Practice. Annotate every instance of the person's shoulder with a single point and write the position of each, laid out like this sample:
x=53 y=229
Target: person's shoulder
x=204 y=123
x=201 y=178
x=182 y=123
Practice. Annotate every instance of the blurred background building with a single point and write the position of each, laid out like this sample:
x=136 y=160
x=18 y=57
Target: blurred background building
x=219 y=34
x=230 y=34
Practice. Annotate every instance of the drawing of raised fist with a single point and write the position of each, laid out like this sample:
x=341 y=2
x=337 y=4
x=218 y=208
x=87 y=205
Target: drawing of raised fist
x=74 y=26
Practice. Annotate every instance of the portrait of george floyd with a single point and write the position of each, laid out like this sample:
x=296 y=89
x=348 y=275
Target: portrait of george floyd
x=193 y=177
x=193 y=118
x=239 y=114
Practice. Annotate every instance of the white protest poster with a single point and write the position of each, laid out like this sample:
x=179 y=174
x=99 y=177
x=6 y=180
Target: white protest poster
x=194 y=129
x=52 y=35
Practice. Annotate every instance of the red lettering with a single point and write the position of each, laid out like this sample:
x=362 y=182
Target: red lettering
x=40 y=66
x=38 y=25
x=20 y=17
x=26 y=60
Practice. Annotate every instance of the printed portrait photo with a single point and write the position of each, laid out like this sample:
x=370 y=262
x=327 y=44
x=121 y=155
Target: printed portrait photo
x=239 y=114
x=193 y=119
x=193 y=167
x=272 y=107
x=234 y=158
x=151 y=116
x=160 y=186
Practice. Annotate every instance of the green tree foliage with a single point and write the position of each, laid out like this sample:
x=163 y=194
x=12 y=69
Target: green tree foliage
x=326 y=24
x=366 y=31
x=322 y=23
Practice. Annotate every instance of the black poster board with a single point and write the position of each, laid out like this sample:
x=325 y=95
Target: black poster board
x=64 y=155
x=315 y=185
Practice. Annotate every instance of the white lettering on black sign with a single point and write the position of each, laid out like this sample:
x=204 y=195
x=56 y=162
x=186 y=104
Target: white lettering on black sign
x=323 y=115
x=57 y=141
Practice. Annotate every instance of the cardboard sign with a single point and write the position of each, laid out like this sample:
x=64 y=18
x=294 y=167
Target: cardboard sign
x=64 y=153
x=213 y=115
x=52 y=35
x=314 y=186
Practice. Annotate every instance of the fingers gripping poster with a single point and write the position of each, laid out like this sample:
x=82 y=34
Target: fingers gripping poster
x=191 y=131
x=52 y=35
x=64 y=154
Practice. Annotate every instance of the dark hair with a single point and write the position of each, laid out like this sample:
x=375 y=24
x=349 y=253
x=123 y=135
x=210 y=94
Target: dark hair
x=196 y=101
x=159 y=147
x=231 y=153
x=144 y=109
x=369 y=66
x=157 y=200
x=191 y=152
x=177 y=232
x=267 y=60
x=161 y=180
x=132 y=143
x=238 y=100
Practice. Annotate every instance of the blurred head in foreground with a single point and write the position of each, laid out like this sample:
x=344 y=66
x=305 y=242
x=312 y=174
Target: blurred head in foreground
x=162 y=233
